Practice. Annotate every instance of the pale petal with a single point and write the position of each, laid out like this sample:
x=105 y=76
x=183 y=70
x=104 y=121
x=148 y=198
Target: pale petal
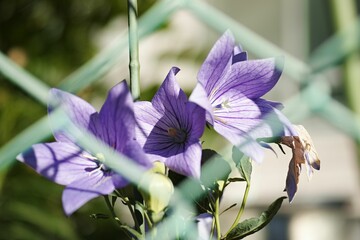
x=78 y=110
x=204 y=226
x=62 y=163
x=83 y=190
x=242 y=140
x=257 y=117
x=200 y=97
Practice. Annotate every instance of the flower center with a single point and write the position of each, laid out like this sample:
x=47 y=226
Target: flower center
x=223 y=105
x=99 y=159
x=179 y=136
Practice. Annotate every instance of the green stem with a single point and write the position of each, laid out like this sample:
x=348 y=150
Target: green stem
x=134 y=64
x=241 y=210
x=217 y=219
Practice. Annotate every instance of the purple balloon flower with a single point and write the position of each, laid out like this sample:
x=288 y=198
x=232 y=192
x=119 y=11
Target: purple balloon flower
x=169 y=128
x=230 y=88
x=84 y=172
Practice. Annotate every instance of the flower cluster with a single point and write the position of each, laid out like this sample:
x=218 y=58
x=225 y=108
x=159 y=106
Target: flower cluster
x=167 y=131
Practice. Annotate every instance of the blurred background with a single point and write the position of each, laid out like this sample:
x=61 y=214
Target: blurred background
x=51 y=39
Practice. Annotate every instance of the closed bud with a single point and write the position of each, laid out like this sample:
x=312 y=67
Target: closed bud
x=156 y=190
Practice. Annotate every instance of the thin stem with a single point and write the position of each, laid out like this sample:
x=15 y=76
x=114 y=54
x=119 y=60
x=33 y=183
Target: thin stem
x=134 y=64
x=110 y=207
x=241 y=210
x=217 y=219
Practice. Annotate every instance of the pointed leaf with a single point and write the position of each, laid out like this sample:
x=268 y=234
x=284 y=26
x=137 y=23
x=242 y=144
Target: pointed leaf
x=252 y=225
x=243 y=163
x=236 y=179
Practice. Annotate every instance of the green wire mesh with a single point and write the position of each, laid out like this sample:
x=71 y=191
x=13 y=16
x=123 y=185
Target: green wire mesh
x=315 y=97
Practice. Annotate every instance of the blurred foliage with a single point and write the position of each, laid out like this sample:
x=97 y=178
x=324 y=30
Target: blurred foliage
x=50 y=39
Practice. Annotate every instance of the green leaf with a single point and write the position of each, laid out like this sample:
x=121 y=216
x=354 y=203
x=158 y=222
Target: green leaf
x=236 y=179
x=243 y=163
x=252 y=225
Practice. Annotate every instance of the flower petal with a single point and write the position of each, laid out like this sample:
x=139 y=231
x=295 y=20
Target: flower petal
x=252 y=78
x=117 y=116
x=242 y=140
x=62 y=163
x=185 y=160
x=257 y=117
x=84 y=189
x=217 y=60
x=148 y=122
x=204 y=225
x=170 y=97
x=80 y=112
x=134 y=151
x=200 y=97
x=196 y=120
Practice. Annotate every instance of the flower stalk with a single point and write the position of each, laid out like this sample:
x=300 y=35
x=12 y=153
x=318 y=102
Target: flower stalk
x=241 y=210
x=134 y=64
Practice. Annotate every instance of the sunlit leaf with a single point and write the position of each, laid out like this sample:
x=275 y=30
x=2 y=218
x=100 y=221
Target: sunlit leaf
x=252 y=225
x=243 y=163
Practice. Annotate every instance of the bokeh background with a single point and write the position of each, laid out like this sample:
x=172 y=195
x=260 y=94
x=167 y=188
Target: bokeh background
x=51 y=39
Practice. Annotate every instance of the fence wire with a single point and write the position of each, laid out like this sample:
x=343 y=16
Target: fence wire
x=314 y=98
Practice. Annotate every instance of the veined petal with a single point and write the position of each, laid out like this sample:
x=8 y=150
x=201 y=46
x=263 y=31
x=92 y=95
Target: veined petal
x=217 y=60
x=170 y=97
x=200 y=97
x=117 y=116
x=257 y=117
x=146 y=118
x=196 y=120
x=253 y=78
x=62 y=163
x=79 y=111
x=185 y=159
x=84 y=189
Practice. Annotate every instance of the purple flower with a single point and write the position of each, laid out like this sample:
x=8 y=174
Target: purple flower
x=230 y=88
x=204 y=223
x=82 y=171
x=169 y=128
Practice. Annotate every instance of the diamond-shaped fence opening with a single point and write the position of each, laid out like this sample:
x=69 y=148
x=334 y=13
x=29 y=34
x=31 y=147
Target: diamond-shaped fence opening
x=314 y=98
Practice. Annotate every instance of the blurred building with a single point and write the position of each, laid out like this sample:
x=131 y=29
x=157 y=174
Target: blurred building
x=325 y=208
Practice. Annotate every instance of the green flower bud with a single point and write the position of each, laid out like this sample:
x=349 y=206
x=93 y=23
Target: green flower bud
x=156 y=190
